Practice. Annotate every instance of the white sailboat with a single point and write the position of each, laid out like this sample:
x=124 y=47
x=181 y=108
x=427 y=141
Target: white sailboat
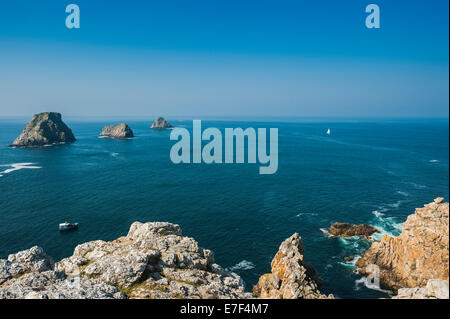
x=329 y=132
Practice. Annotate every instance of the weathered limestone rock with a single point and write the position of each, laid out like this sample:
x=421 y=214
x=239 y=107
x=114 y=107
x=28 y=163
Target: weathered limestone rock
x=44 y=129
x=161 y=123
x=435 y=289
x=418 y=254
x=291 y=278
x=121 y=130
x=31 y=260
x=29 y=274
x=348 y=230
x=153 y=261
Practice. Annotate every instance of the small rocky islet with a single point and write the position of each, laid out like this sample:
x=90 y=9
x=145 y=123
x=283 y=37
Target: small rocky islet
x=119 y=131
x=44 y=129
x=161 y=124
x=349 y=230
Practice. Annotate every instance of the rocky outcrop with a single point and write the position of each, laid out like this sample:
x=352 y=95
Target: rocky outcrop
x=291 y=277
x=44 y=129
x=160 y=124
x=348 y=230
x=119 y=131
x=153 y=261
x=30 y=274
x=418 y=254
x=435 y=289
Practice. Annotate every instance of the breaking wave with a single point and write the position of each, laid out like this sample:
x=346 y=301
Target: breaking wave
x=242 y=265
x=17 y=167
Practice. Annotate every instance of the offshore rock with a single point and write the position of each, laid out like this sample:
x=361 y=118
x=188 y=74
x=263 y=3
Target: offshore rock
x=160 y=124
x=348 y=230
x=119 y=131
x=291 y=278
x=44 y=129
x=418 y=254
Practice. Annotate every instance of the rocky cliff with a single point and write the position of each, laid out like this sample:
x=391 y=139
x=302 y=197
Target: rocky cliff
x=121 y=130
x=418 y=254
x=291 y=277
x=435 y=289
x=44 y=129
x=161 y=123
x=153 y=261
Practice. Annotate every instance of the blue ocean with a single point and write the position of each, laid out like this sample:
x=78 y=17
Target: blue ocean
x=375 y=172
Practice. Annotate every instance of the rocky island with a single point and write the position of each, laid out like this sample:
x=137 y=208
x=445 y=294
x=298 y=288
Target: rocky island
x=44 y=129
x=348 y=230
x=161 y=124
x=419 y=254
x=121 y=130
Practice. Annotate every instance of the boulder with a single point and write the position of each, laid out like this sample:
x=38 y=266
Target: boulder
x=435 y=289
x=44 y=129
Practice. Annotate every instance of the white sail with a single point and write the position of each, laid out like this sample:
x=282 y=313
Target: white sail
x=329 y=132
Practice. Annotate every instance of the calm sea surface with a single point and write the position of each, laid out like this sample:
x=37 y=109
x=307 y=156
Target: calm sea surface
x=365 y=172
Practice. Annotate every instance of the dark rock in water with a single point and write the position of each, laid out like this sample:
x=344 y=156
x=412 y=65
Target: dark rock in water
x=348 y=230
x=44 y=129
x=348 y=258
x=119 y=131
x=160 y=124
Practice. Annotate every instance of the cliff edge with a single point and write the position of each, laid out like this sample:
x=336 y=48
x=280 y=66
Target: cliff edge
x=153 y=261
x=418 y=254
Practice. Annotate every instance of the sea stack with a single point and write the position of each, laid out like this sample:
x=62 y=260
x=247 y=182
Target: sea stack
x=291 y=277
x=420 y=253
x=161 y=124
x=44 y=129
x=119 y=131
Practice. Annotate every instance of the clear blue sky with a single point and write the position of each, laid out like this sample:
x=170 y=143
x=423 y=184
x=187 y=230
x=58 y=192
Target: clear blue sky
x=225 y=58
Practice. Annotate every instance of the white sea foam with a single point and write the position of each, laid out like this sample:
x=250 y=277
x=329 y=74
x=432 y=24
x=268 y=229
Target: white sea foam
x=386 y=226
x=368 y=284
x=304 y=214
x=350 y=264
x=417 y=186
x=403 y=193
x=114 y=154
x=434 y=161
x=325 y=232
x=17 y=167
x=242 y=265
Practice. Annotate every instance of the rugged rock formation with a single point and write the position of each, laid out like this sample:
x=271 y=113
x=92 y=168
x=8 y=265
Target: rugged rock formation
x=160 y=123
x=348 y=230
x=418 y=254
x=435 y=289
x=44 y=129
x=119 y=131
x=153 y=261
x=291 y=278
